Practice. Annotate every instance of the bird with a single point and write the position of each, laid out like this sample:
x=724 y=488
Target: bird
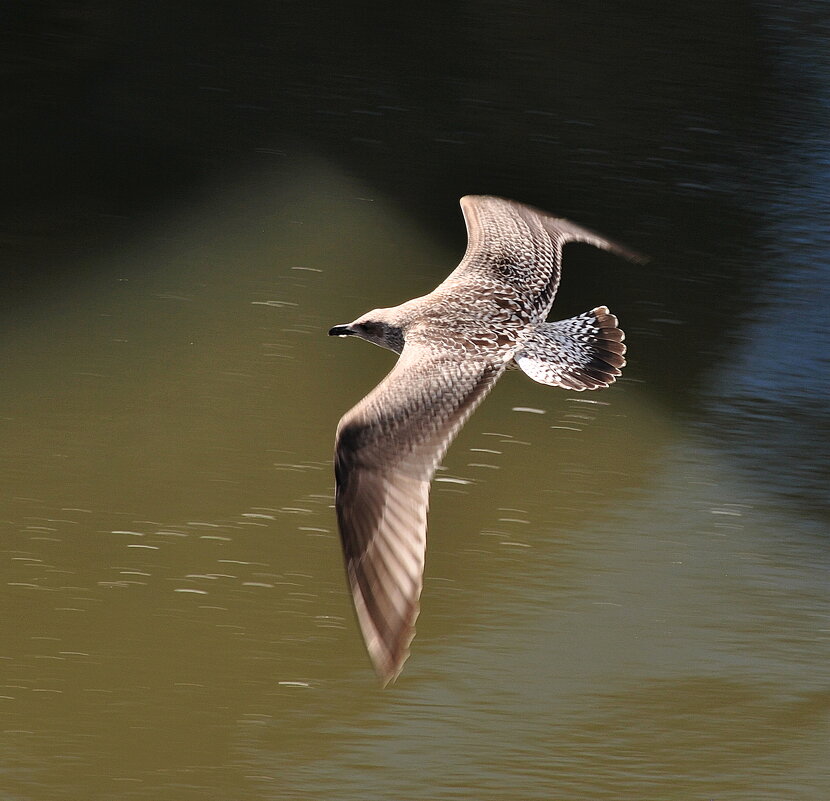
x=488 y=316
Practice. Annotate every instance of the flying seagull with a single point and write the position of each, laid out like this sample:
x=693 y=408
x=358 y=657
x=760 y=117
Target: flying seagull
x=454 y=343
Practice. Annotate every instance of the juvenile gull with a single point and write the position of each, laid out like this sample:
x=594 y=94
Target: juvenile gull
x=454 y=343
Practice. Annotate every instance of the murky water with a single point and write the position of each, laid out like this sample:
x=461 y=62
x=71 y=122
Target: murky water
x=626 y=591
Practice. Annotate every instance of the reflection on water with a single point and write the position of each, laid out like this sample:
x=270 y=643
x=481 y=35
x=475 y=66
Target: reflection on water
x=625 y=593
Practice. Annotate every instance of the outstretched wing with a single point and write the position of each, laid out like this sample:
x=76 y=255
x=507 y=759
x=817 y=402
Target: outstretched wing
x=520 y=246
x=386 y=452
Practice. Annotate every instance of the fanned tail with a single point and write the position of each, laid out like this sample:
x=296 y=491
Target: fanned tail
x=583 y=352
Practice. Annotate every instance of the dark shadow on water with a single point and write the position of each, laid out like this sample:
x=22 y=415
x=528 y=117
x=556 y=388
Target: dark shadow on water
x=638 y=120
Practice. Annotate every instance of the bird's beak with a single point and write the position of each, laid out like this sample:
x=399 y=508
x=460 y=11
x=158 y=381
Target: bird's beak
x=341 y=331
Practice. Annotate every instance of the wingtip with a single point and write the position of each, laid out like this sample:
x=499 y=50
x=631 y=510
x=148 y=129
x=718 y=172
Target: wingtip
x=388 y=647
x=388 y=677
x=635 y=256
x=388 y=666
x=577 y=232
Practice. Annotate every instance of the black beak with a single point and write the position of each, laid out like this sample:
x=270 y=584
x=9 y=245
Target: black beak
x=341 y=331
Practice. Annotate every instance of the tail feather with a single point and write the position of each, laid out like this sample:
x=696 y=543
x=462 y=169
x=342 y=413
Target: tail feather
x=583 y=352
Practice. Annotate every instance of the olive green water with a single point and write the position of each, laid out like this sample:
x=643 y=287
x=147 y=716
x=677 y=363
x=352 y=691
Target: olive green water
x=611 y=609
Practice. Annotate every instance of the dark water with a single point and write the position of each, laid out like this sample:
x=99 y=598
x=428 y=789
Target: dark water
x=626 y=591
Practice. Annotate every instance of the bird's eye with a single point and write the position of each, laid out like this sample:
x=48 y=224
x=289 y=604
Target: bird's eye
x=371 y=328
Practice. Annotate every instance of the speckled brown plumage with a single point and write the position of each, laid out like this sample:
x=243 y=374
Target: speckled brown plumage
x=454 y=343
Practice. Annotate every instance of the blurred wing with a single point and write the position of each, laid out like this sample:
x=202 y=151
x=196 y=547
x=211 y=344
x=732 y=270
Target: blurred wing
x=387 y=449
x=509 y=242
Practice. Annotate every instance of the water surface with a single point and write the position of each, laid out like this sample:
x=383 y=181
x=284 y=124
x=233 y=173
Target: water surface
x=626 y=591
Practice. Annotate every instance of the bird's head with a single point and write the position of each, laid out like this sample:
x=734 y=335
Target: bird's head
x=378 y=327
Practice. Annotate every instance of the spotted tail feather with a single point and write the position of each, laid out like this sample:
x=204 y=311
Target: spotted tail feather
x=583 y=352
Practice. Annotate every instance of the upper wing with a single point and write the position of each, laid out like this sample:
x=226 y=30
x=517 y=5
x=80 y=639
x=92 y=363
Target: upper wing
x=519 y=245
x=386 y=452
